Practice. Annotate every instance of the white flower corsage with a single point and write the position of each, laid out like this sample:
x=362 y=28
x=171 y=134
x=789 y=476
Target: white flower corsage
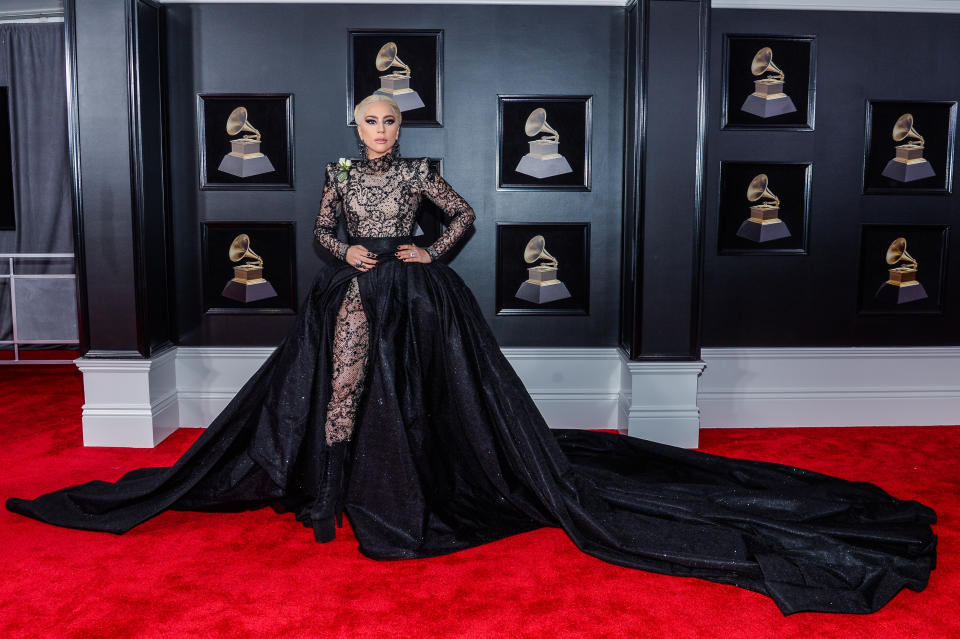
x=343 y=168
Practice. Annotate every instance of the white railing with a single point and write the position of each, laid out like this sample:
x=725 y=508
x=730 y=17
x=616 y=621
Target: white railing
x=12 y=277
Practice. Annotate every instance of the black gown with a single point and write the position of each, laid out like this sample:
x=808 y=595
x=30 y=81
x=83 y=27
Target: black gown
x=449 y=451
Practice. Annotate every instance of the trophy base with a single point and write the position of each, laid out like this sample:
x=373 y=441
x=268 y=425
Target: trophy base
x=768 y=107
x=543 y=293
x=406 y=99
x=893 y=294
x=245 y=165
x=757 y=232
x=908 y=171
x=543 y=167
x=245 y=293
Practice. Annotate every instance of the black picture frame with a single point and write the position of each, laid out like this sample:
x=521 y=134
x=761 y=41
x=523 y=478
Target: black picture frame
x=936 y=120
x=795 y=55
x=274 y=242
x=8 y=215
x=790 y=181
x=569 y=242
x=927 y=243
x=271 y=114
x=570 y=115
x=420 y=49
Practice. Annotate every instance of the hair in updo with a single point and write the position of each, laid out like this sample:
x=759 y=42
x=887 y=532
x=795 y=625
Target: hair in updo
x=361 y=107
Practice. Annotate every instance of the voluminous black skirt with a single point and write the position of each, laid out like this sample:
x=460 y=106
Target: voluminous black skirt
x=449 y=452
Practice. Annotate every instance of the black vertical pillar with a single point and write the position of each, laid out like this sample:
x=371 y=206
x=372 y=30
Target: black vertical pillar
x=664 y=163
x=117 y=143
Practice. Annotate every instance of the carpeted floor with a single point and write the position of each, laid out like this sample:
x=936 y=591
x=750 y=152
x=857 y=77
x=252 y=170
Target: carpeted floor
x=259 y=574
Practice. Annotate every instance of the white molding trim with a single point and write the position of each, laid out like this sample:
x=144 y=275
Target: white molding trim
x=658 y=401
x=572 y=387
x=901 y=6
x=131 y=403
x=139 y=402
x=766 y=387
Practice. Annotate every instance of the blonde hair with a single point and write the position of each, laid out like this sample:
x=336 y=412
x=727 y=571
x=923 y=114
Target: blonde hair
x=361 y=107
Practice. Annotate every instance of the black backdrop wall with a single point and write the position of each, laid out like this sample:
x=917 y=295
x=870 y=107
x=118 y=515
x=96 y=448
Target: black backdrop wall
x=488 y=50
x=811 y=300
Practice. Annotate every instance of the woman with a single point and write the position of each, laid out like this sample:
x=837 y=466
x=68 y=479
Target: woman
x=392 y=401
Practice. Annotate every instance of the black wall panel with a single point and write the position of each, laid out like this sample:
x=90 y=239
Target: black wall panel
x=665 y=105
x=795 y=300
x=148 y=157
x=103 y=119
x=489 y=50
x=671 y=224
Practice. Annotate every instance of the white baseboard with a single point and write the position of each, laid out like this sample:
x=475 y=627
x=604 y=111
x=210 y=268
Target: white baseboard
x=572 y=387
x=130 y=403
x=766 y=387
x=138 y=403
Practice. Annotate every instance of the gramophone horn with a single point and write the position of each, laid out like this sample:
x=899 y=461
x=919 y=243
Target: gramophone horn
x=897 y=252
x=387 y=57
x=537 y=123
x=535 y=250
x=903 y=129
x=240 y=249
x=759 y=187
x=763 y=62
x=238 y=122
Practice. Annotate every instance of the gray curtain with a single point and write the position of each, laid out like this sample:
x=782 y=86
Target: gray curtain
x=33 y=66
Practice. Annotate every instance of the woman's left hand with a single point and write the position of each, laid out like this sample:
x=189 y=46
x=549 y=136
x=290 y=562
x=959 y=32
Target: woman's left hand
x=412 y=253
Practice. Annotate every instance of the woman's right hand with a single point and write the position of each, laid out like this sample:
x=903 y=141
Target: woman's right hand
x=360 y=258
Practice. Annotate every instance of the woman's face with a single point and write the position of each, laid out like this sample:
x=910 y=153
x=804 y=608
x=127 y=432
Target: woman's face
x=378 y=129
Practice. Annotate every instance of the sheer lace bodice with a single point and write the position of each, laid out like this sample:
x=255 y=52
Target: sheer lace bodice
x=379 y=198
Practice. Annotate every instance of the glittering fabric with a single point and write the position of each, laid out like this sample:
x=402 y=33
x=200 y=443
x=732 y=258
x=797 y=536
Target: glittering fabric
x=449 y=451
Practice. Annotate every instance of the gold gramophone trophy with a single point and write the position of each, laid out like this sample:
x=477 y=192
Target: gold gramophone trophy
x=245 y=158
x=764 y=223
x=397 y=84
x=542 y=285
x=543 y=160
x=247 y=284
x=768 y=98
x=908 y=164
x=903 y=286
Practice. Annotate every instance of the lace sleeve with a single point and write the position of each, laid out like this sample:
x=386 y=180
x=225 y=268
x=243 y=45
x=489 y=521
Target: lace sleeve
x=326 y=227
x=458 y=213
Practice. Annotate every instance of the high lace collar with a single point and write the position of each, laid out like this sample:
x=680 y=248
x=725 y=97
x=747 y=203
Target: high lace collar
x=381 y=163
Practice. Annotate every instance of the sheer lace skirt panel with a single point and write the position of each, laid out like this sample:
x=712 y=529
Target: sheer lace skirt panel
x=351 y=346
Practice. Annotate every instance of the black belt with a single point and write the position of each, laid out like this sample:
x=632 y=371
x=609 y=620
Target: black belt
x=384 y=247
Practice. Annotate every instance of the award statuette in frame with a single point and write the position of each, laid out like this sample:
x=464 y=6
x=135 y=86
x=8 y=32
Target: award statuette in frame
x=903 y=286
x=768 y=98
x=542 y=285
x=764 y=223
x=245 y=158
x=396 y=85
x=908 y=164
x=543 y=160
x=248 y=283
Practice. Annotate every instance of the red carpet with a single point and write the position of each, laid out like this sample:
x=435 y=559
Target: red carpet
x=259 y=574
